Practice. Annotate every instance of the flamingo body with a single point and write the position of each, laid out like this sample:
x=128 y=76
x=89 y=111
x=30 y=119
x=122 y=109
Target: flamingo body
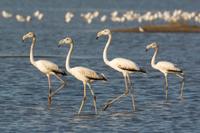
x=124 y=65
x=167 y=67
x=85 y=74
x=47 y=67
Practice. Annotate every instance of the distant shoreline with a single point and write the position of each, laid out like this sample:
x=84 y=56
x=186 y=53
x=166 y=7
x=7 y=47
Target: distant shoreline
x=173 y=27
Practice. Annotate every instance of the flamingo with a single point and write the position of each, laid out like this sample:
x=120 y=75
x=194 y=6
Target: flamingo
x=166 y=67
x=125 y=66
x=87 y=76
x=45 y=66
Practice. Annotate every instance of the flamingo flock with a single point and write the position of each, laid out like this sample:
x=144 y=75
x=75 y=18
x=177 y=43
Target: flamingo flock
x=115 y=16
x=88 y=76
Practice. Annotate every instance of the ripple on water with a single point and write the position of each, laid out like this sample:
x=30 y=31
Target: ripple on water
x=24 y=90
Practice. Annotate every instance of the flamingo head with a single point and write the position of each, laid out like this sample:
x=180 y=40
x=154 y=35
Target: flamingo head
x=151 y=45
x=66 y=40
x=104 y=32
x=28 y=35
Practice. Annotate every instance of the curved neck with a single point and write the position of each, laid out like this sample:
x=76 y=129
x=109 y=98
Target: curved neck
x=31 y=51
x=68 y=57
x=106 y=49
x=153 y=64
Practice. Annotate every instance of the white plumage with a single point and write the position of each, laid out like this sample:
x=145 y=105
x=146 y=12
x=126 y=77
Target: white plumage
x=165 y=67
x=122 y=65
x=81 y=73
x=45 y=66
x=86 y=75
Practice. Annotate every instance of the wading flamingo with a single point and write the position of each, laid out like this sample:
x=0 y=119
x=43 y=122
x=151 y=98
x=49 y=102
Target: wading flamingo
x=166 y=67
x=122 y=65
x=45 y=66
x=81 y=73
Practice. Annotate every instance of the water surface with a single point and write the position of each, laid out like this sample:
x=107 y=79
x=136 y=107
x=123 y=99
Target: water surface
x=23 y=93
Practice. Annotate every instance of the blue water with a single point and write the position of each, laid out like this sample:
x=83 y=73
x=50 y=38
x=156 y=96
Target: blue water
x=23 y=89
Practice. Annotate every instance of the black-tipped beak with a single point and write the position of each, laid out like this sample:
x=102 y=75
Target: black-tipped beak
x=146 y=49
x=23 y=39
x=60 y=43
x=97 y=38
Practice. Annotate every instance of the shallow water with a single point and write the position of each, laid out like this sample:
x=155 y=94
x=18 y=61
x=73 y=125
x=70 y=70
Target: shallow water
x=23 y=89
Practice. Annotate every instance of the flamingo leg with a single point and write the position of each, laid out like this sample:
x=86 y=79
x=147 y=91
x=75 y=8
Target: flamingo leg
x=49 y=95
x=56 y=91
x=182 y=84
x=126 y=84
x=84 y=97
x=61 y=86
x=108 y=104
x=62 y=81
x=166 y=87
x=131 y=92
x=112 y=101
x=94 y=97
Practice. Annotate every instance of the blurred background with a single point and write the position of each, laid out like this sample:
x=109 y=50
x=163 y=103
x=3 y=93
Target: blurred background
x=23 y=89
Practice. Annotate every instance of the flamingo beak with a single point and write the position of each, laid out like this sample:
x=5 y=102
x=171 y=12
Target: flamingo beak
x=60 y=42
x=147 y=48
x=23 y=38
x=98 y=35
x=59 y=45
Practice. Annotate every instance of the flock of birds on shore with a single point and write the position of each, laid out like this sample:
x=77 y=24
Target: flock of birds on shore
x=114 y=16
x=87 y=76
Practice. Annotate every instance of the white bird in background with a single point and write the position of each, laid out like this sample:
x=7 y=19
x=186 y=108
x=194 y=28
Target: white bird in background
x=122 y=65
x=68 y=17
x=28 y=18
x=81 y=73
x=6 y=14
x=20 y=18
x=103 y=18
x=45 y=66
x=39 y=15
x=165 y=67
x=36 y=13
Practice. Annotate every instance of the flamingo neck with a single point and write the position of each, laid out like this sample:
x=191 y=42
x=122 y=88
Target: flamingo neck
x=153 y=64
x=106 y=49
x=68 y=57
x=31 y=51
